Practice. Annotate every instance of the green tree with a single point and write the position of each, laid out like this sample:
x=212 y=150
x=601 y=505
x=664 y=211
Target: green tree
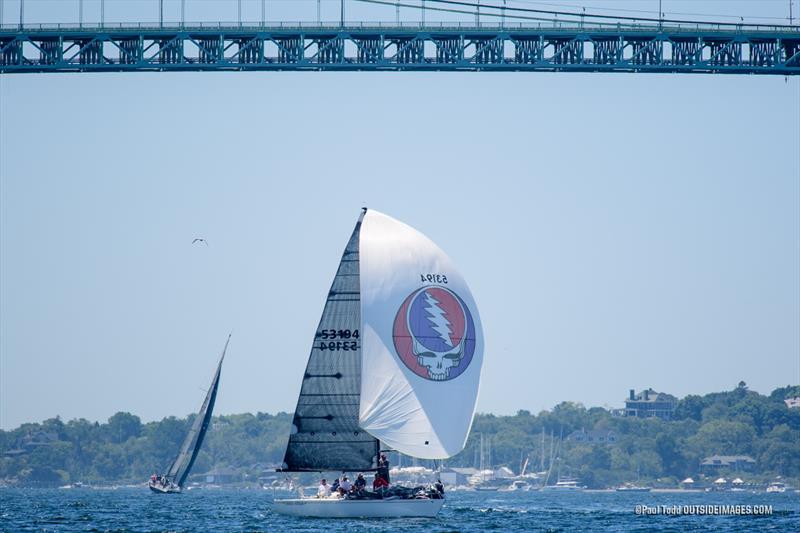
x=690 y=407
x=123 y=426
x=724 y=438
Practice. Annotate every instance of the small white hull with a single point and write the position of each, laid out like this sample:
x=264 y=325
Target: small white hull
x=158 y=488
x=334 y=508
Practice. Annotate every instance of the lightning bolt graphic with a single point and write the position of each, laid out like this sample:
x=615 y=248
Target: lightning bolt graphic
x=440 y=323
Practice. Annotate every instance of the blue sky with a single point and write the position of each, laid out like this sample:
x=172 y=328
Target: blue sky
x=618 y=231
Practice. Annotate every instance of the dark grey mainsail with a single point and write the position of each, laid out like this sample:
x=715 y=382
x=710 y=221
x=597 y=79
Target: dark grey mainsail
x=182 y=465
x=325 y=433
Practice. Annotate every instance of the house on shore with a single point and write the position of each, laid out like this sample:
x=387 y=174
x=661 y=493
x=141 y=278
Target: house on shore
x=650 y=404
x=715 y=463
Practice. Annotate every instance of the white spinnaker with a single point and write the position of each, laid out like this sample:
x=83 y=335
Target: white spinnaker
x=415 y=415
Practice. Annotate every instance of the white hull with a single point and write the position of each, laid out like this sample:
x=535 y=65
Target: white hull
x=161 y=489
x=333 y=508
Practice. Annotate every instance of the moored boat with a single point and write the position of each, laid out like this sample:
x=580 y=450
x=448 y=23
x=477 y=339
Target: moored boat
x=630 y=487
x=565 y=484
x=776 y=487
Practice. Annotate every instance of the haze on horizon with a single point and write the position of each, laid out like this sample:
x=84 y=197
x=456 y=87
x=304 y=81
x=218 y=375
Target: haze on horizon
x=617 y=231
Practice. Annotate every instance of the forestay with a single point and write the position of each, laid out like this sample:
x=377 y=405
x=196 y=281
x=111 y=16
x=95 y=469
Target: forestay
x=421 y=345
x=325 y=434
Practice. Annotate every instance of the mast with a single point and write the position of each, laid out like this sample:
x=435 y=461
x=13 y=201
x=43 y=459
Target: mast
x=482 y=465
x=552 y=451
x=489 y=454
x=541 y=465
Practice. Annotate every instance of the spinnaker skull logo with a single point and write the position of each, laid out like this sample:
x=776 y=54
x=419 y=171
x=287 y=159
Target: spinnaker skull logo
x=434 y=334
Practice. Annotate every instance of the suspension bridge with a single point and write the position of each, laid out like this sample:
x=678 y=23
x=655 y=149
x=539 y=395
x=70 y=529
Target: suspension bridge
x=500 y=38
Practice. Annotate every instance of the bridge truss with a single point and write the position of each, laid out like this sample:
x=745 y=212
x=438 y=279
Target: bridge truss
x=378 y=47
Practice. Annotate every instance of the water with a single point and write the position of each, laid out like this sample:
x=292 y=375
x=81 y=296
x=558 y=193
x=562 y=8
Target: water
x=135 y=510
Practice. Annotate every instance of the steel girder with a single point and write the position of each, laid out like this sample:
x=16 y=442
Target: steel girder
x=383 y=48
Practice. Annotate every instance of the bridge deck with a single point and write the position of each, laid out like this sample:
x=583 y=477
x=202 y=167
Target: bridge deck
x=371 y=47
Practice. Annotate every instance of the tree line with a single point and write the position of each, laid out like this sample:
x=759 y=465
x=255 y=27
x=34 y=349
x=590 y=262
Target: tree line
x=734 y=422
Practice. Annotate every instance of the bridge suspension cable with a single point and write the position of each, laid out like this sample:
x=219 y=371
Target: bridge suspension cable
x=500 y=10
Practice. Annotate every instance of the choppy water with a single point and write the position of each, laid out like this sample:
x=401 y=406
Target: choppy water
x=136 y=510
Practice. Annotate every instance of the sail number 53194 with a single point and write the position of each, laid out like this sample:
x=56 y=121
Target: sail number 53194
x=329 y=341
x=337 y=334
x=433 y=278
x=338 y=345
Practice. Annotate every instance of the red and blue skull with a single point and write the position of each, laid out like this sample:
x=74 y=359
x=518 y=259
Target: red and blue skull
x=434 y=333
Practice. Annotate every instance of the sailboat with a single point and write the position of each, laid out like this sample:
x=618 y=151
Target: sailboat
x=174 y=479
x=482 y=486
x=395 y=365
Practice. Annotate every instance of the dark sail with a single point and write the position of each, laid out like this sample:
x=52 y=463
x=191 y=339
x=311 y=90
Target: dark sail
x=325 y=433
x=182 y=465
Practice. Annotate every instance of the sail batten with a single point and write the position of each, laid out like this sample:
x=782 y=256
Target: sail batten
x=325 y=432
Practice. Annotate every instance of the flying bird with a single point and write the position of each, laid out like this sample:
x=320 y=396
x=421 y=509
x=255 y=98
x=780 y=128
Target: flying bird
x=200 y=240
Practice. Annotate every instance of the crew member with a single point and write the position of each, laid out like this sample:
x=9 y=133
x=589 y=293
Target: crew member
x=360 y=483
x=383 y=467
x=345 y=486
x=324 y=489
x=379 y=484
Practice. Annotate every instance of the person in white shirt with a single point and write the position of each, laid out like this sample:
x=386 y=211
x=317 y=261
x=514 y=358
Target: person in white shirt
x=345 y=485
x=324 y=489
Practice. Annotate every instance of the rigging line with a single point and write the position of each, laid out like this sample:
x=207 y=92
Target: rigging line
x=624 y=10
x=451 y=10
x=512 y=17
x=579 y=15
x=575 y=14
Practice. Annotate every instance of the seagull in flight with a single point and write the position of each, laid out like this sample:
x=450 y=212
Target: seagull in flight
x=198 y=239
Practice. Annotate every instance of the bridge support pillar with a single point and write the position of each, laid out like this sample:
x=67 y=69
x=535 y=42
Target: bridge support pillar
x=410 y=51
x=370 y=50
x=449 y=50
x=488 y=51
x=528 y=51
x=11 y=52
x=91 y=52
x=50 y=52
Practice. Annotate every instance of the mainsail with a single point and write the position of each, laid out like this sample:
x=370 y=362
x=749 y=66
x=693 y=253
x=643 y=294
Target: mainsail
x=422 y=342
x=325 y=433
x=182 y=465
